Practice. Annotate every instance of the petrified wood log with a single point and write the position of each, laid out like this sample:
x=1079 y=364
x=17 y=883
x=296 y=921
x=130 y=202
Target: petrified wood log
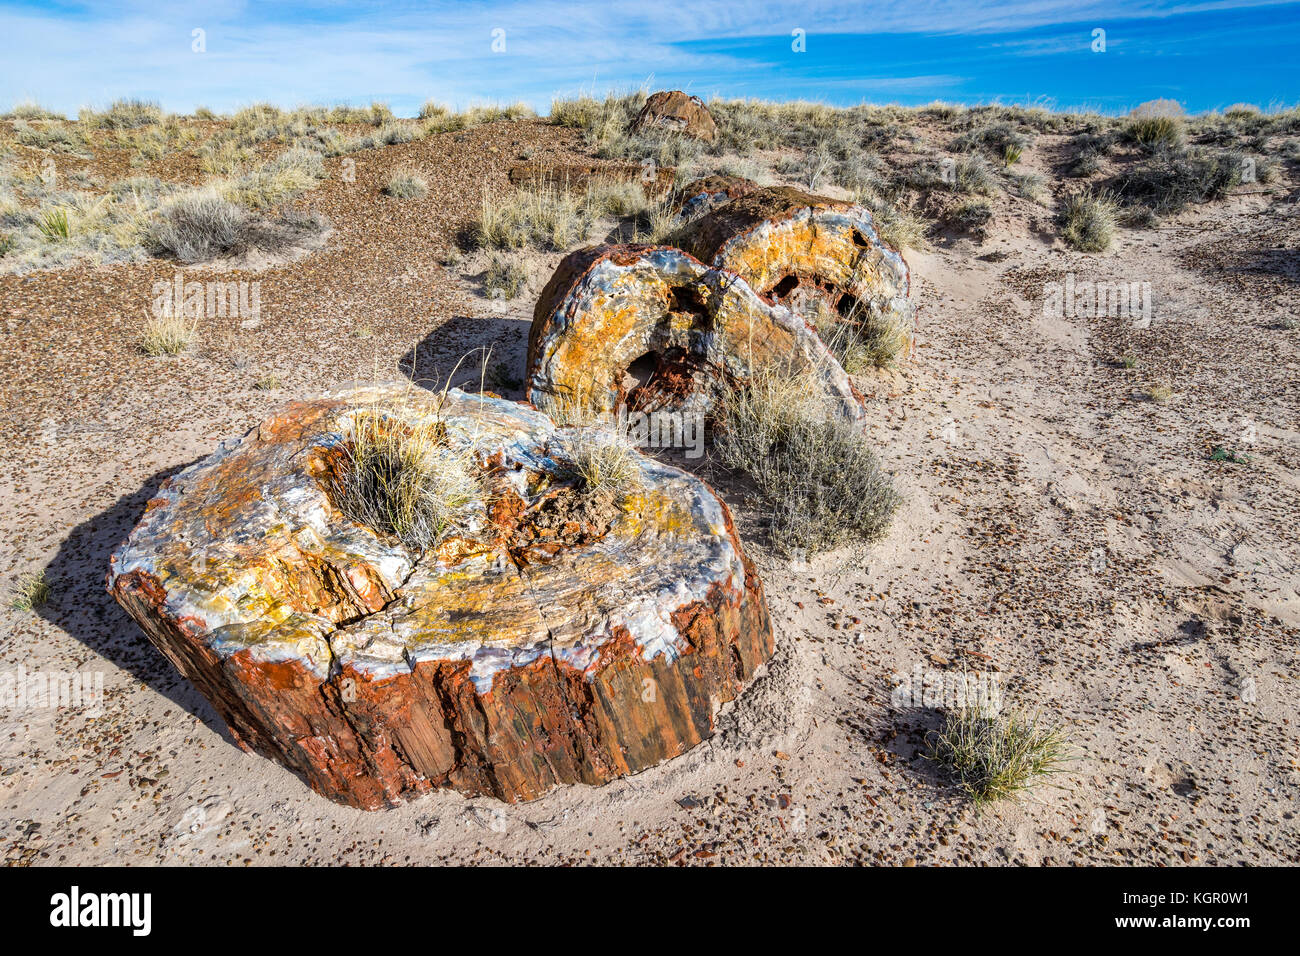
x=677 y=112
x=806 y=252
x=703 y=195
x=554 y=638
x=655 y=180
x=653 y=329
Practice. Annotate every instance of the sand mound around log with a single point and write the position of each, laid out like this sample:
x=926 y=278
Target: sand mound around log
x=549 y=636
x=651 y=328
x=808 y=252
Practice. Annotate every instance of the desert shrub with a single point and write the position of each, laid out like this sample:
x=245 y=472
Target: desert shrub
x=433 y=110
x=1169 y=182
x=31 y=110
x=57 y=138
x=971 y=214
x=1156 y=125
x=277 y=180
x=167 y=335
x=1085 y=165
x=993 y=138
x=406 y=184
x=1088 y=222
x=199 y=225
x=29 y=592
x=820 y=482
x=405 y=480
x=993 y=756
x=504 y=278
x=123 y=114
x=7 y=244
x=1031 y=186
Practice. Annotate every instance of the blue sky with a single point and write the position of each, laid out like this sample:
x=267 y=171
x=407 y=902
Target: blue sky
x=1207 y=54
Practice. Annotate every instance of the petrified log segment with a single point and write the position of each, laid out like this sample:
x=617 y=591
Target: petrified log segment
x=678 y=112
x=806 y=252
x=703 y=195
x=652 y=328
x=557 y=639
x=654 y=180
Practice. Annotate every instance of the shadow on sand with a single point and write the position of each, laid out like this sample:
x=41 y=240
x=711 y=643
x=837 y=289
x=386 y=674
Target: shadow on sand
x=84 y=609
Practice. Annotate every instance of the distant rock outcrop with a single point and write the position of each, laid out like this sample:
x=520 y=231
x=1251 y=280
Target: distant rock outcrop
x=675 y=111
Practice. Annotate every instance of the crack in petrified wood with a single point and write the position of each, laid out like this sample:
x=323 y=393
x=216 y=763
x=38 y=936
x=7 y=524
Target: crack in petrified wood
x=500 y=664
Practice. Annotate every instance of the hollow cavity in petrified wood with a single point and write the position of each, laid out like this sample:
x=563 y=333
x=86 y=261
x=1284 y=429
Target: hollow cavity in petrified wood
x=610 y=311
x=552 y=642
x=795 y=248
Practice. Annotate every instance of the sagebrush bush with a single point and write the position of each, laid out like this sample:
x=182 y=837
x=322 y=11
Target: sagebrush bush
x=1088 y=222
x=200 y=225
x=821 y=484
x=1169 y=182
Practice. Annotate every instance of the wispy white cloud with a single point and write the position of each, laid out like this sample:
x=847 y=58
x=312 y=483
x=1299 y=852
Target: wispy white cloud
x=403 y=52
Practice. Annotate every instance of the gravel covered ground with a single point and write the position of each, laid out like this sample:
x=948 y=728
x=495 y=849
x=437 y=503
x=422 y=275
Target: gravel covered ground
x=1062 y=530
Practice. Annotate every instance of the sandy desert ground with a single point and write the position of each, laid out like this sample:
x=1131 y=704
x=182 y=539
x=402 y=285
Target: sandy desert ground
x=1061 y=529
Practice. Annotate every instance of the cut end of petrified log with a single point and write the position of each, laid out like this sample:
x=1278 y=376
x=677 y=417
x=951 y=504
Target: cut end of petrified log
x=554 y=638
x=651 y=328
x=807 y=252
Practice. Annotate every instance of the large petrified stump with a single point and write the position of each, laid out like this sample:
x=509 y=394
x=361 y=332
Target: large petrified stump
x=653 y=329
x=704 y=195
x=554 y=636
x=807 y=252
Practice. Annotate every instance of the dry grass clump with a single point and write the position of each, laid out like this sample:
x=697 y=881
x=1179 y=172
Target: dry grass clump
x=406 y=184
x=604 y=462
x=167 y=335
x=1157 y=125
x=997 y=756
x=406 y=480
x=548 y=217
x=972 y=174
x=31 y=110
x=123 y=114
x=900 y=228
x=861 y=340
x=31 y=591
x=504 y=278
x=1089 y=222
x=294 y=171
x=822 y=485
